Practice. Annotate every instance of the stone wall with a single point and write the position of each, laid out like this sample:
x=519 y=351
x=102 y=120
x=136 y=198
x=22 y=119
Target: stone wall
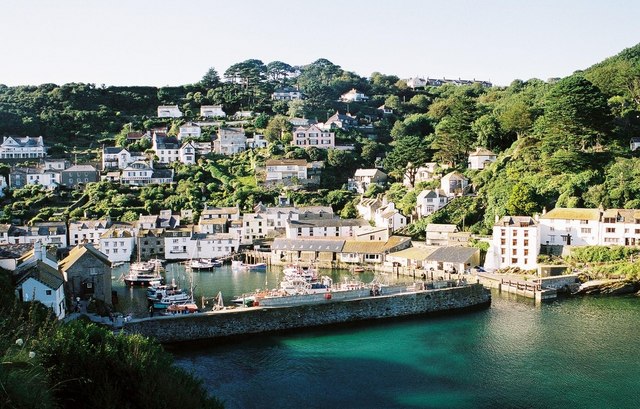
x=242 y=321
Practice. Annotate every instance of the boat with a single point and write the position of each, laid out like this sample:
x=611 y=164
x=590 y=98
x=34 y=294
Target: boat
x=203 y=264
x=357 y=269
x=239 y=265
x=143 y=279
x=293 y=271
x=300 y=285
x=142 y=267
x=177 y=309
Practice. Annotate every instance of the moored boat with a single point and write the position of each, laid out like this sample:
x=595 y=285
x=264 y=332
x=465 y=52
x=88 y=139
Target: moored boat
x=203 y=264
x=239 y=265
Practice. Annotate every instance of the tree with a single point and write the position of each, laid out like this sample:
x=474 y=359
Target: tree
x=277 y=127
x=522 y=201
x=408 y=153
x=211 y=79
x=277 y=71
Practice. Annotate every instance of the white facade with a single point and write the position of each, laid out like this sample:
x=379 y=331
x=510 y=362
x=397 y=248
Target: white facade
x=284 y=169
x=324 y=227
x=188 y=246
x=21 y=177
x=481 y=158
x=286 y=94
x=416 y=82
x=118 y=244
x=189 y=130
x=515 y=243
x=187 y=154
x=430 y=201
x=424 y=173
x=14 y=147
x=34 y=290
x=137 y=174
x=258 y=141
x=363 y=178
x=230 y=141
x=578 y=227
x=353 y=96
x=88 y=231
x=169 y=111
x=212 y=111
x=313 y=136
x=47 y=233
x=454 y=184
x=390 y=217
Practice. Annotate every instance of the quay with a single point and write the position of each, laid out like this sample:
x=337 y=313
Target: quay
x=327 y=311
x=540 y=288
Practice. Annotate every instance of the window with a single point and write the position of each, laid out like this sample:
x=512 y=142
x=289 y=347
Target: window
x=514 y=252
x=48 y=292
x=611 y=230
x=514 y=242
x=514 y=260
x=526 y=261
x=551 y=228
x=585 y=230
x=503 y=232
x=552 y=239
x=526 y=252
x=526 y=242
x=584 y=221
x=526 y=233
x=503 y=242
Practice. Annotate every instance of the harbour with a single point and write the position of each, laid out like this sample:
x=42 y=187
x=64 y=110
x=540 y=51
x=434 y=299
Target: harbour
x=568 y=353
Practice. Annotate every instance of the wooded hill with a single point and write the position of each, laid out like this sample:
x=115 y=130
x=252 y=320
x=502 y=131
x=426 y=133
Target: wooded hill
x=562 y=142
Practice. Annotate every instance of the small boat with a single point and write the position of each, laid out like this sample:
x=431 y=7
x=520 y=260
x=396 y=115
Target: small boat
x=295 y=271
x=239 y=265
x=143 y=279
x=142 y=267
x=203 y=264
x=357 y=269
x=175 y=309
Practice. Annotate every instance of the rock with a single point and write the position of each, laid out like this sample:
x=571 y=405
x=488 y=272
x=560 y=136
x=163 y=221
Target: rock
x=609 y=287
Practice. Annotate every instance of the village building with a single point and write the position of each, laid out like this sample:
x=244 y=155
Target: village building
x=454 y=184
x=371 y=252
x=169 y=111
x=634 y=143
x=339 y=121
x=78 y=175
x=14 y=147
x=287 y=94
x=457 y=260
x=515 y=243
x=88 y=231
x=257 y=141
x=119 y=158
x=292 y=172
x=48 y=233
x=118 y=243
x=481 y=158
x=389 y=217
x=425 y=173
x=334 y=227
x=363 y=178
x=87 y=273
x=438 y=234
x=313 y=136
x=212 y=111
x=353 y=96
x=20 y=177
x=189 y=130
x=430 y=201
x=230 y=141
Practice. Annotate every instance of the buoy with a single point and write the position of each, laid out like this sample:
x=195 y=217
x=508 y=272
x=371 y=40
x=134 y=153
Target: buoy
x=327 y=296
x=256 y=303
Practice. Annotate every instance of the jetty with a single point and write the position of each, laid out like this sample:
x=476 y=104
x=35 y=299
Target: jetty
x=325 y=311
x=539 y=288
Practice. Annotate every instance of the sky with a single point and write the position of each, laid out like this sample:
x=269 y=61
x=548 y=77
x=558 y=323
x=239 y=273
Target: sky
x=161 y=42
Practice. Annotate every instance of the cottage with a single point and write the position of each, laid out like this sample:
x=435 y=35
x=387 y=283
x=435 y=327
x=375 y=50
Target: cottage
x=481 y=158
x=230 y=141
x=323 y=249
x=452 y=259
x=88 y=231
x=413 y=257
x=430 y=201
x=313 y=136
x=334 y=227
x=367 y=207
x=416 y=82
x=634 y=143
x=43 y=283
x=340 y=121
x=438 y=234
x=118 y=158
x=117 y=243
x=87 y=273
x=212 y=111
x=389 y=217
x=454 y=184
x=22 y=176
x=426 y=173
x=79 y=175
x=367 y=252
x=287 y=94
x=169 y=111
x=363 y=178
x=515 y=243
x=353 y=96
x=189 y=130
x=258 y=141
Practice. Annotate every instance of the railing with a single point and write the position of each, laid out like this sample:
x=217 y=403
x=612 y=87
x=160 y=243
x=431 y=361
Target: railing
x=522 y=285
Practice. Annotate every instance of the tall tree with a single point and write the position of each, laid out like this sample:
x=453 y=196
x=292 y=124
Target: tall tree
x=211 y=79
x=407 y=155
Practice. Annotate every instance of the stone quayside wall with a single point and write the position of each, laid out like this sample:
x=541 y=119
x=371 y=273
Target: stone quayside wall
x=255 y=320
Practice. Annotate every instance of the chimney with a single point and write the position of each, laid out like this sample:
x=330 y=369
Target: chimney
x=38 y=251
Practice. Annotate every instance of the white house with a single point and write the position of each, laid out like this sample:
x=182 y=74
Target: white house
x=169 y=111
x=334 y=227
x=117 y=158
x=480 y=158
x=515 y=243
x=424 y=173
x=438 y=234
x=416 y=82
x=258 y=141
x=118 y=243
x=454 y=184
x=45 y=284
x=230 y=141
x=88 y=231
x=187 y=153
x=138 y=173
x=340 y=121
x=167 y=148
x=353 y=96
x=226 y=213
x=286 y=94
x=634 y=143
x=184 y=244
x=578 y=227
x=212 y=111
x=363 y=178
x=390 y=217
x=189 y=130
x=452 y=259
x=313 y=136
x=56 y=164
x=47 y=233
x=14 y=147
x=280 y=170
x=20 y=177
x=367 y=207
x=430 y=201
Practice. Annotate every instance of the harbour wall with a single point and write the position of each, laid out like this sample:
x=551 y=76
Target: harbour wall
x=254 y=320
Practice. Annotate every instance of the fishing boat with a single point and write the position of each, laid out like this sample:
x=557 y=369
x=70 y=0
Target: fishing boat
x=176 y=309
x=294 y=271
x=203 y=264
x=241 y=266
x=142 y=279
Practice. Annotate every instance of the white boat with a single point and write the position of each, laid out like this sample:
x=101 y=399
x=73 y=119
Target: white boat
x=294 y=271
x=141 y=278
x=302 y=286
x=142 y=267
x=239 y=265
x=203 y=264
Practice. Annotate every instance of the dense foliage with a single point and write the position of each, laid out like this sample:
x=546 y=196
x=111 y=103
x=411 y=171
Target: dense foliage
x=47 y=364
x=563 y=142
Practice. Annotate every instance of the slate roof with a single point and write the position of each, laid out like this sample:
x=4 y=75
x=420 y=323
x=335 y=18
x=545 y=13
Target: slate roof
x=80 y=168
x=45 y=274
x=14 y=251
x=78 y=252
x=518 y=221
x=415 y=253
x=334 y=222
x=112 y=150
x=286 y=162
x=436 y=227
x=325 y=245
x=168 y=142
x=452 y=254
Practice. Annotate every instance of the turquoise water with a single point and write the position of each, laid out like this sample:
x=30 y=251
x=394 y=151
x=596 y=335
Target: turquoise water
x=572 y=353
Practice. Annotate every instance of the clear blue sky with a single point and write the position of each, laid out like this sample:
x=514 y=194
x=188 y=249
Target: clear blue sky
x=160 y=42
